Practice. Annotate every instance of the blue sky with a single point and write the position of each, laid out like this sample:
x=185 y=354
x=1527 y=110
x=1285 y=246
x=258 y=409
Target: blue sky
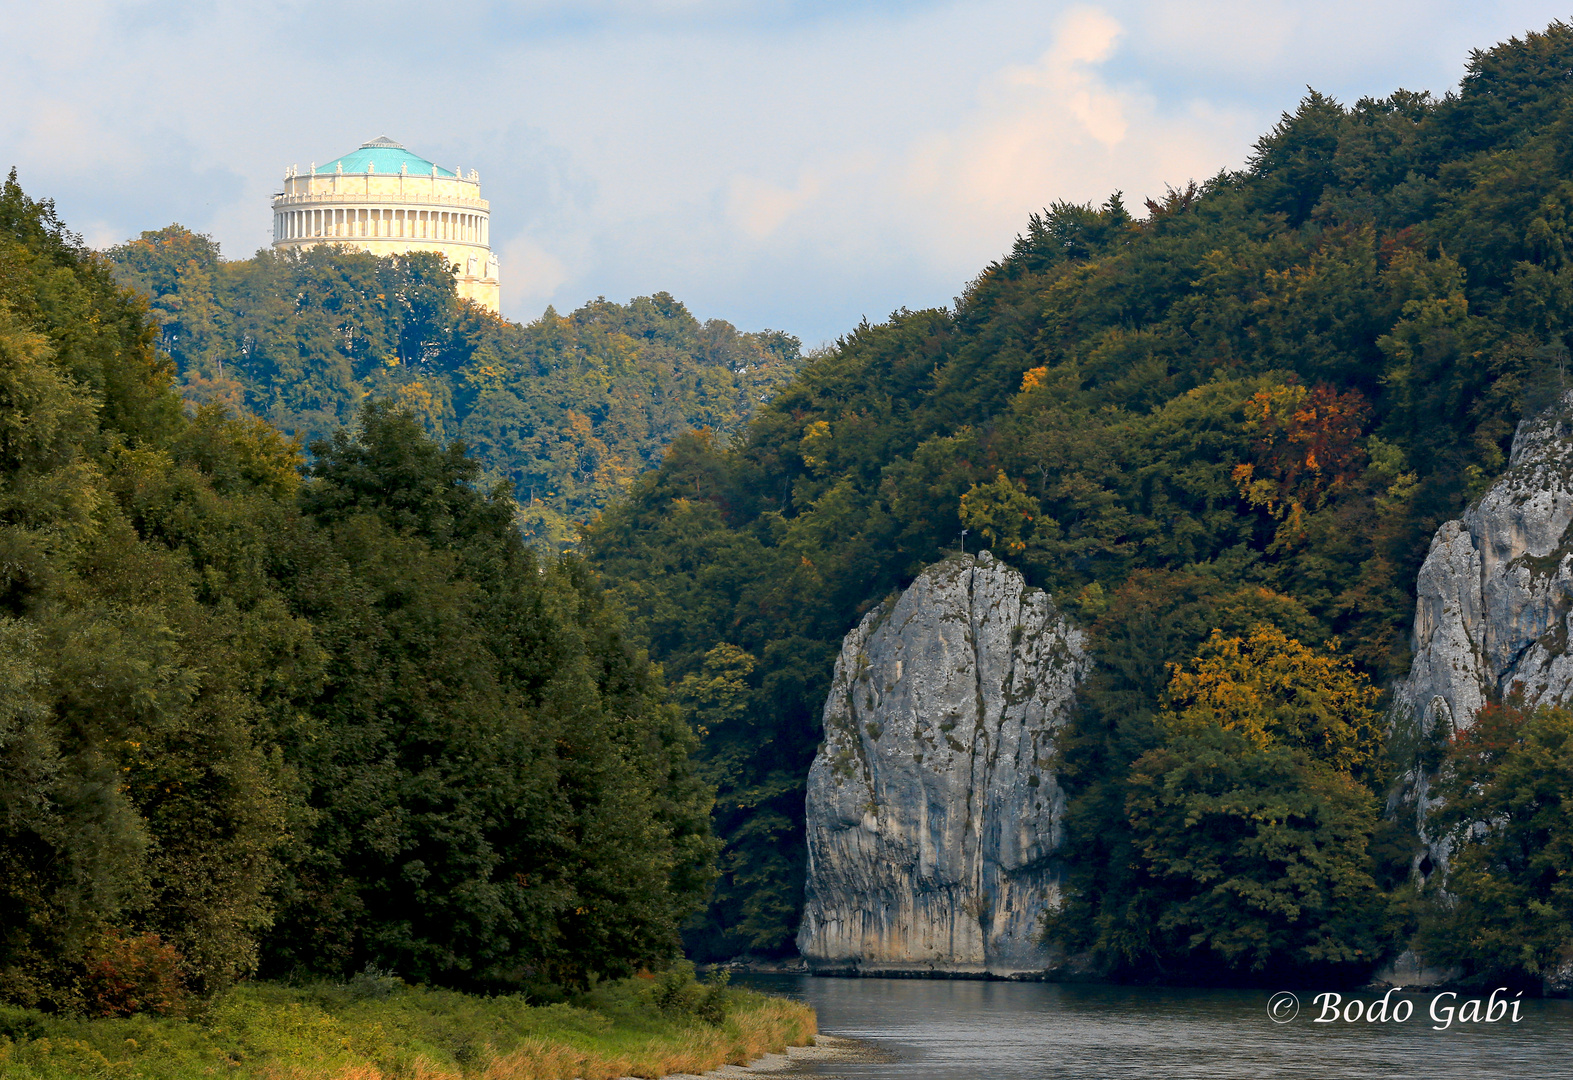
x=794 y=165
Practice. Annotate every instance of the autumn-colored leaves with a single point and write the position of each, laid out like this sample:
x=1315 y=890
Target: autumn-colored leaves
x=1307 y=449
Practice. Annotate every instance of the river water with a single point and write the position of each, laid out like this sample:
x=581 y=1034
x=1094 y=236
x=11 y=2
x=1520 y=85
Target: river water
x=974 y=1030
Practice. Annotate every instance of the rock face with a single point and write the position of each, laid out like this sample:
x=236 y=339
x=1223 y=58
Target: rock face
x=1494 y=599
x=932 y=816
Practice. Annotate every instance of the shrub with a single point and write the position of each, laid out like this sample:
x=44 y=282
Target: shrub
x=373 y=984
x=678 y=993
x=712 y=1004
x=127 y=975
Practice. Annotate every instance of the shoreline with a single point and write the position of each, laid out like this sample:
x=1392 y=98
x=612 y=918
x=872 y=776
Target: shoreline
x=823 y=1048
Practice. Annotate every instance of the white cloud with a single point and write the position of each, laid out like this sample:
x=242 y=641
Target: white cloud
x=758 y=208
x=949 y=197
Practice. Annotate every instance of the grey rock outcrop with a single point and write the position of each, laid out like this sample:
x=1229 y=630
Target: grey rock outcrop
x=932 y=815
x=1494 y=599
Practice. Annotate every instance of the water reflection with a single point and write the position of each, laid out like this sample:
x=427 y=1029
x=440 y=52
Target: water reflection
x=940 y=1029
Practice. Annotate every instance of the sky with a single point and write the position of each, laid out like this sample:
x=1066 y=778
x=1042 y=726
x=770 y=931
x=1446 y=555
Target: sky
x=787 y=164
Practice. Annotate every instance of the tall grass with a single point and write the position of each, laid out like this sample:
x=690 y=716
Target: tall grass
x=265 y=1031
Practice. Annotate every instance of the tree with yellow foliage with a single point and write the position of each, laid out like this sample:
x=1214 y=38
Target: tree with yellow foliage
x=1249 y=821
x=1274 y=690
x=1002 y=511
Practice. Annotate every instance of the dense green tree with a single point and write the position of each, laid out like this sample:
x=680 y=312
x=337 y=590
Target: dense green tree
x=259 y=716
x=504 y=792
x=136 y=791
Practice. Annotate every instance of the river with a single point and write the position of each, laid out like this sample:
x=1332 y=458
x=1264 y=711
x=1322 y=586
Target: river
x=974 y=1030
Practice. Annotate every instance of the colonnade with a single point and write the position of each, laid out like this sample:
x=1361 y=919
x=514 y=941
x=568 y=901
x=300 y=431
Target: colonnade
x=382 y=222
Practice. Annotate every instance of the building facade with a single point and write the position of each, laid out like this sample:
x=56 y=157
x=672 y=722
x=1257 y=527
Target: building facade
x=388 y=201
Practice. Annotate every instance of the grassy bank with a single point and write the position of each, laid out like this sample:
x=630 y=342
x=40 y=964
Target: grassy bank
x=377 y=1029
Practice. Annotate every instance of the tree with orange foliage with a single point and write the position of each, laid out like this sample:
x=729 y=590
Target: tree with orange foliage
x=1307 y=450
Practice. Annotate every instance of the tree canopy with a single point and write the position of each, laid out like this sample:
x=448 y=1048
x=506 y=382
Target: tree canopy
x=569 y=409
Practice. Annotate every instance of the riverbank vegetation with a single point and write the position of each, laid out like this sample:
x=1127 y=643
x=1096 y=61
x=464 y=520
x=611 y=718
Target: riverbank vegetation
x=1243 y=413
x=377 y=1027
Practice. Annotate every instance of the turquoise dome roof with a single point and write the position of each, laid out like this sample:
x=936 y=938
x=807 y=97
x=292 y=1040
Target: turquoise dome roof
x=384 y=156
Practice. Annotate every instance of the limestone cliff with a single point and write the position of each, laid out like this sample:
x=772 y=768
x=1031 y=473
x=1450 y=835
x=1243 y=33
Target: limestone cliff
x=932 y=816
x=1494 y=599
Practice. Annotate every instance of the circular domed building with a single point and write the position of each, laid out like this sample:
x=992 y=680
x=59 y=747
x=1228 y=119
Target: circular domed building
x=389 y=201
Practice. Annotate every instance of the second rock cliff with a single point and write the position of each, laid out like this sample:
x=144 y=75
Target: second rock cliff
x=932 y=814
x=1494 y=607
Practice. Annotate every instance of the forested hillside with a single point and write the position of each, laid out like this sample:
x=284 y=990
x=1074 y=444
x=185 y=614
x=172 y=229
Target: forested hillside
x=258 y=720
x=1222 y=433
x=569 y=409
